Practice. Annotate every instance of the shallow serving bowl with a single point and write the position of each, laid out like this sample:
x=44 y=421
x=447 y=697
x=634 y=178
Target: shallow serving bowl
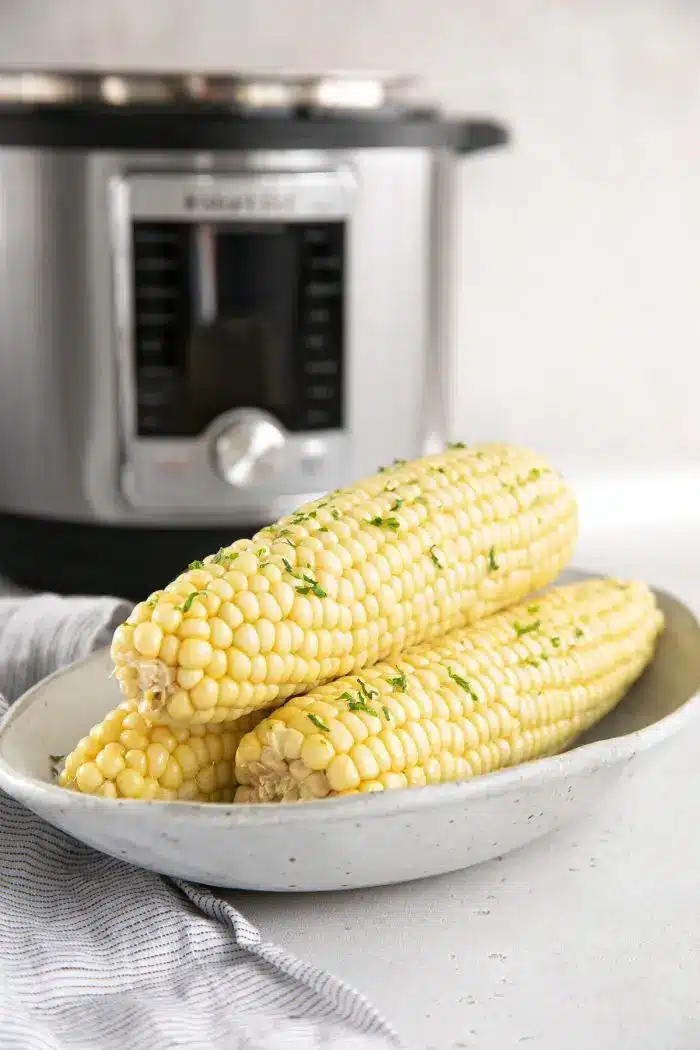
x=364 y=840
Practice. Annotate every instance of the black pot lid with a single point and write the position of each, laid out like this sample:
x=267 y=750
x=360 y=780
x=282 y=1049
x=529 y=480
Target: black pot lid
x=255 y=109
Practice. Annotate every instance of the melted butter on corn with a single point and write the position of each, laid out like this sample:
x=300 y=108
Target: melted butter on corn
x=126 y=756
x=405 y=556
x=520 y=685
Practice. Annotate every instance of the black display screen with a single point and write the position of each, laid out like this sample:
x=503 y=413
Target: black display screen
x=236 y=316
x=244 y=354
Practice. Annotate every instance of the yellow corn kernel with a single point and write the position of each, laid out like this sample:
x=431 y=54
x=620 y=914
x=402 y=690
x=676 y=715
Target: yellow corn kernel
x=110 y=760
x=341 y=773
x=157 y=759
x=181 y=706
x=594 y=639
x=401 y=558
x=136 y=760
x=194 y=654
x=194 y=629
x=169 y=648
x=147 y=639
x=167 y=617
x=129 y=784
x=89 y=778
x=126 y=756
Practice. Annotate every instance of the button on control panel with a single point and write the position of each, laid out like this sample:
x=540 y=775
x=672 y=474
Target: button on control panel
x=320 y=330
x=161 y=310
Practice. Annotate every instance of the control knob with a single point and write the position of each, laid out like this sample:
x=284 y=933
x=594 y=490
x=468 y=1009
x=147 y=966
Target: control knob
x=249 y=451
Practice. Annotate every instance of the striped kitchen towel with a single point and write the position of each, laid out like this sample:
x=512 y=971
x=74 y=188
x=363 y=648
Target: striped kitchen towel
x=97 y=954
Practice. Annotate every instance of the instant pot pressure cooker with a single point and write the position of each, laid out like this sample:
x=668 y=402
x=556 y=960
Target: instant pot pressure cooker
x=219 y=298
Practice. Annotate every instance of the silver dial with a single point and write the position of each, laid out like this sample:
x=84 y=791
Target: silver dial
x=250 y=450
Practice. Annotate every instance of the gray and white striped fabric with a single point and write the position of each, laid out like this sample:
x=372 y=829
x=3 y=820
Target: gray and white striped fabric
x=97 y=954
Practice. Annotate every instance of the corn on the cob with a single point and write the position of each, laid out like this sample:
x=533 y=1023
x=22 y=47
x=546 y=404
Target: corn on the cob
x=126 y=756
x=409 y=554
x=520 y=685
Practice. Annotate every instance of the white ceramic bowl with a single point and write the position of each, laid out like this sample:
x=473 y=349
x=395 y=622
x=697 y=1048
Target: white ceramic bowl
x=366 y=840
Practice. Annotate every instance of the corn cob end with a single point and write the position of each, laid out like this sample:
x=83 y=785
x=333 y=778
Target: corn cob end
x=127 y=756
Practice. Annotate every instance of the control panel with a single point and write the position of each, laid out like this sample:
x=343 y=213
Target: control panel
x=240 y=317
x=234 y=332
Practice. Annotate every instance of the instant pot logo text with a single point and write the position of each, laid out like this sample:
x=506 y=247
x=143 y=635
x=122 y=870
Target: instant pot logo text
x=241 y=204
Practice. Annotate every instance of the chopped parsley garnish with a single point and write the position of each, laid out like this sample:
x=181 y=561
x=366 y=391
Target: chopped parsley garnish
x=433 y=552
x=493 y=564
x=532 y=662
x=398 y=503
x=556 y=642
x=532 y=609
x=335 y=514
x=56 y=762
x=308 y=584
x=261 y=552
x=421 y=499
x=192 y=597
x=152 y=602
x=386 y=712
x=367 y=692
x=463 y=684
x=384 y=523
x=534 y=474
x=400 y=682
x=578 y=633
x=196 y=565
x=456 y=444
x=317 y=722
x=480 y=455
x=438 y=470
x=526 y=628
x=360 y=703
x=399 y=463
x=225 y=554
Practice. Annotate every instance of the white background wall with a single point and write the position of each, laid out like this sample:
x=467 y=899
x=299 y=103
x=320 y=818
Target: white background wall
x=579 y=287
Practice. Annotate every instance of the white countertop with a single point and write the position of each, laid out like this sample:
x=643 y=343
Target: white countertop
x=586 y=940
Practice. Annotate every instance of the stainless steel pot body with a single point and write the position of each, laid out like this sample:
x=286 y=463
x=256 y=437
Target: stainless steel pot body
x=69 y=441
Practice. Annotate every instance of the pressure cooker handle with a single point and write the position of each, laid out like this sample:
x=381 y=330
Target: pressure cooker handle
x=440 y=410
x=474 y=135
